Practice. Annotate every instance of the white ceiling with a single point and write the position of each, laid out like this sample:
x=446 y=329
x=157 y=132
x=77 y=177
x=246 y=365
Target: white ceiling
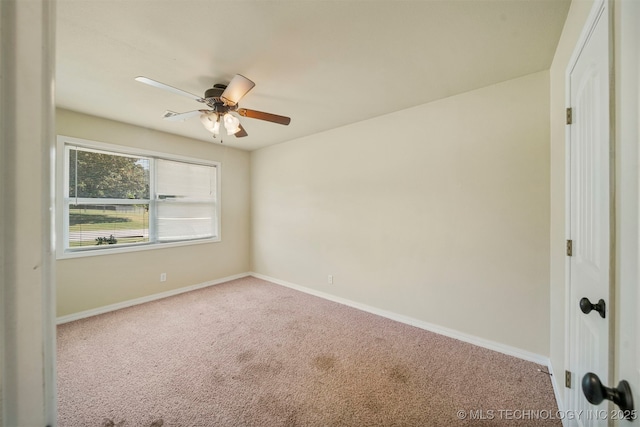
x=323 y=63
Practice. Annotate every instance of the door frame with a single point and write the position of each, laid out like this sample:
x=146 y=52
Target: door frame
x=599 y=7
x=27 y=275
x=627 y=57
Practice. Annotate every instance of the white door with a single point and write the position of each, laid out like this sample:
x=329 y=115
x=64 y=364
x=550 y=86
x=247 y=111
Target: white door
x=627 y=359
x=589 y=214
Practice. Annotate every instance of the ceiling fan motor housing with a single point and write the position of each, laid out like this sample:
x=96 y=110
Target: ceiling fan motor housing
x=213 y=92
x=212 y=98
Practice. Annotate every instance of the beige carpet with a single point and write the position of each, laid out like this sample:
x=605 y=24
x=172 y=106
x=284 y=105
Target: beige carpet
x=251 y=353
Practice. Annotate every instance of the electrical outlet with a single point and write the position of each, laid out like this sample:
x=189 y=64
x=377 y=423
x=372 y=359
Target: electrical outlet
x=163 y=277
x=330 y=279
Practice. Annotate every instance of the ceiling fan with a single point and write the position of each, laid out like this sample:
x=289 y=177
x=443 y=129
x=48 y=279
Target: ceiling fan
x=222 y=100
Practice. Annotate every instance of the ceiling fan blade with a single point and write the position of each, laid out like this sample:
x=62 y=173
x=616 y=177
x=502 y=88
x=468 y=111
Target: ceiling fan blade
x=238 y=88
x=172 y=89
x=241 y=133
x=172 y=116
x=260 y=115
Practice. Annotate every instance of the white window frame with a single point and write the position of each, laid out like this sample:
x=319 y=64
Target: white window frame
x=62 y=214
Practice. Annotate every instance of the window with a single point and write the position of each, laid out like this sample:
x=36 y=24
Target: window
x=117 y=199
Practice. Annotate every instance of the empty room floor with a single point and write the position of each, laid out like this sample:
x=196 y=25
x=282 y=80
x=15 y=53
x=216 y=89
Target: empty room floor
x=252 y=353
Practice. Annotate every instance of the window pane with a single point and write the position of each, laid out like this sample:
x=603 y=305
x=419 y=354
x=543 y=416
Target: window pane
x=184 y=221
x=186 y=206
x=106 y=175
x=185 y=180
x=96 y=225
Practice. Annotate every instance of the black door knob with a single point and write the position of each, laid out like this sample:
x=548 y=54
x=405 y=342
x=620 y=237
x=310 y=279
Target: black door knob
x=595 y=393
x=586 y=306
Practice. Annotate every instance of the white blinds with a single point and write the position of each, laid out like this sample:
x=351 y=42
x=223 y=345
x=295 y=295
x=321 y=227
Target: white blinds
x=185 y=200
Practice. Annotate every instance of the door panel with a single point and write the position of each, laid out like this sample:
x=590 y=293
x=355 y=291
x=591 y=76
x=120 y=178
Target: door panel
x=590 y=213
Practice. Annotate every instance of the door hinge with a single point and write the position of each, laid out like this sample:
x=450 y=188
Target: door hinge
x=569 y=115
x=569 y=247
x=567 y=379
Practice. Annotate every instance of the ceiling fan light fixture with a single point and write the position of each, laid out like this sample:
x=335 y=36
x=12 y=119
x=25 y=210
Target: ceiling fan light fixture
x=210 y=122
x=207 y=120
x=231 y=124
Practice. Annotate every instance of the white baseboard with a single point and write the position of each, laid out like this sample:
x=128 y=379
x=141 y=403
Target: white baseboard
x=471 y=339
x=142 y=300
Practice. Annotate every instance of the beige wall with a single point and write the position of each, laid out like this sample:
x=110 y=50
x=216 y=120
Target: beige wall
x=576 y=19
x=439 y=212
x=92 y=282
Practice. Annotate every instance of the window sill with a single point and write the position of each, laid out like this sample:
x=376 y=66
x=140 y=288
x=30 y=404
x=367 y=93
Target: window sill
x=132 y=248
